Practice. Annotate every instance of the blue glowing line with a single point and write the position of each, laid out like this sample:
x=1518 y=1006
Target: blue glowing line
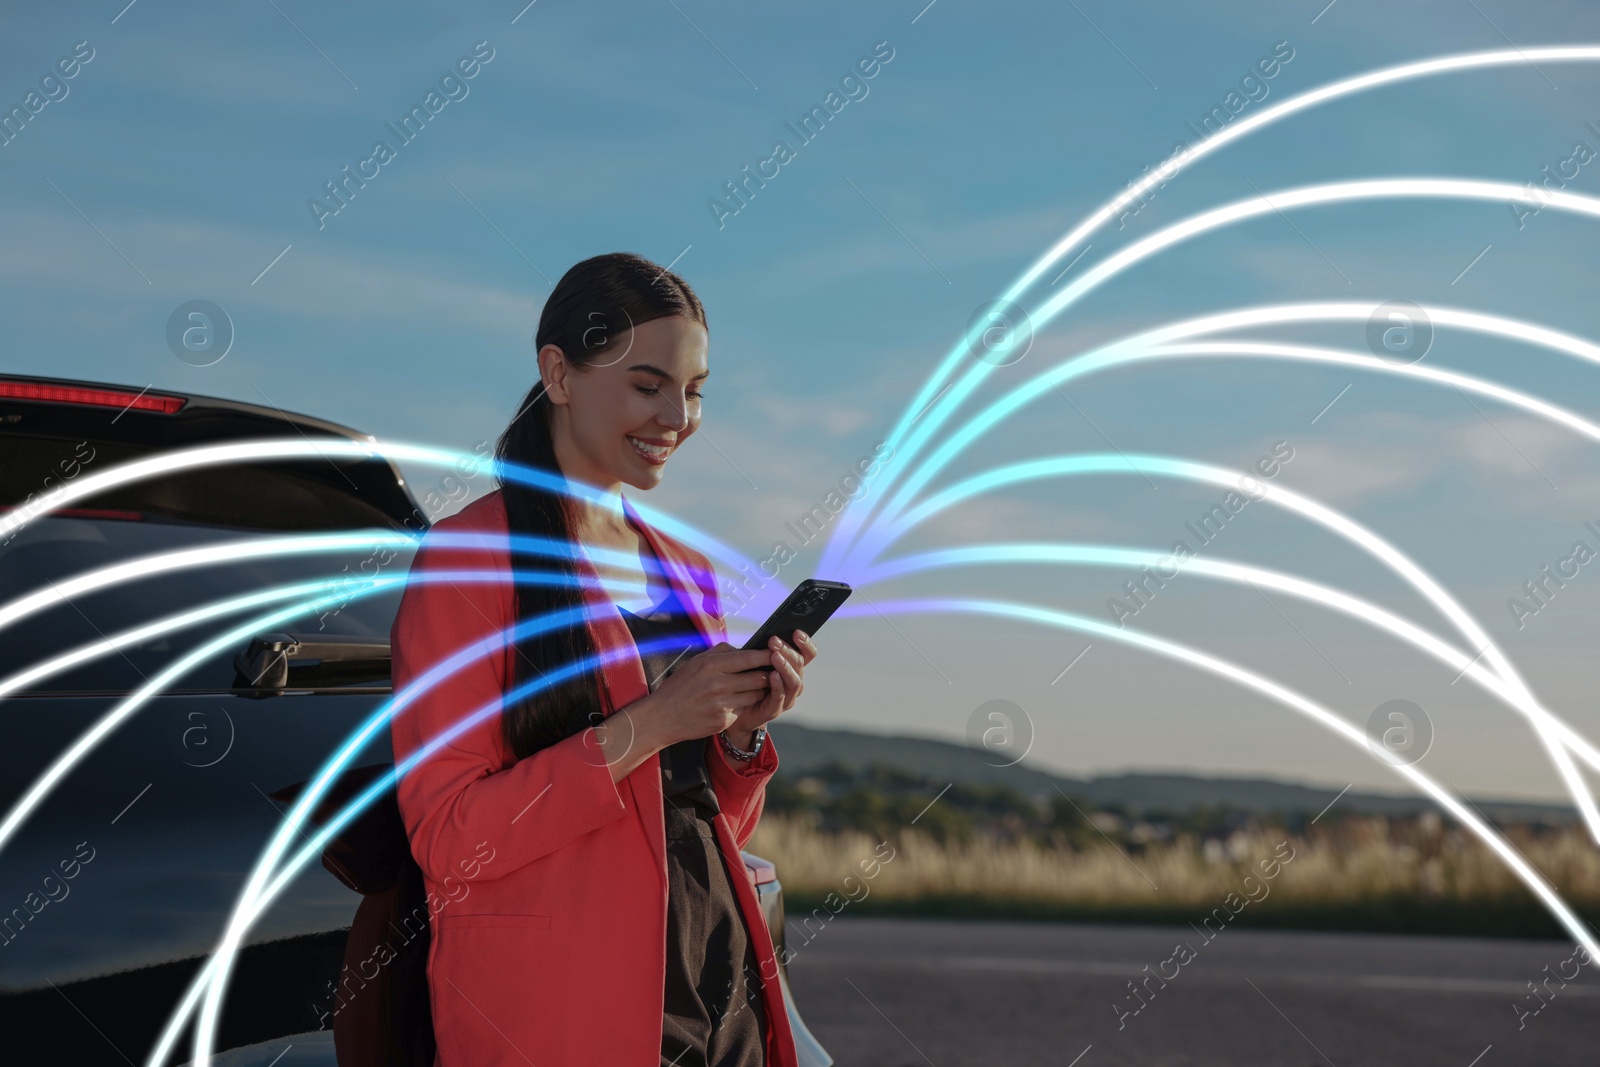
x=86 y=742
x=370 y=586
x=1273 y=113
x=1144 y=347
x=1323 y=716
x=891 y=527
x=1370 y=542
x=860 y=508
x=1304 y=196
x=216 y=609
x=253 y=908
x=106 y=645
x=300 y=544
x=308 y=855
x=222 y=454
x=1238 y=573
x=1256 y=206
x=180 y=559
x=214 y=977
x=350 y=589
x=1121 y=351
x=218 y=455
x=92 y=737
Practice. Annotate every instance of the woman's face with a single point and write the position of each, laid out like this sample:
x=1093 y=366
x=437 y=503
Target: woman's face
x=621 y=418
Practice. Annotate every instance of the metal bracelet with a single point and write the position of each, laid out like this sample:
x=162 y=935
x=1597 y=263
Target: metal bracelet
x=738 y=753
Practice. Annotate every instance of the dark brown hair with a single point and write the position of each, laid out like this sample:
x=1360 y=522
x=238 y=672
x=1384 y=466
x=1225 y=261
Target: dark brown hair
x=592 y=309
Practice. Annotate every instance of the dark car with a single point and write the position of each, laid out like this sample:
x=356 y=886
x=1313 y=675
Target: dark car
x=118 y=885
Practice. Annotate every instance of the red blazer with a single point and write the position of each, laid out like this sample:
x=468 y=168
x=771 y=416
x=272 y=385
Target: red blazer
x=548 y=880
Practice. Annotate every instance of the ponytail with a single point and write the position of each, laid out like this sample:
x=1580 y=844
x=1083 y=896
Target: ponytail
x=592 y=309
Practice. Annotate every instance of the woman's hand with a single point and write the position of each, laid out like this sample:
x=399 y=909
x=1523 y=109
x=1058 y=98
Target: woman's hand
x=703 y=696
x=787 y=679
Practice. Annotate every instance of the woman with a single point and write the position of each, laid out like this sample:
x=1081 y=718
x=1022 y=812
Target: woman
x=581 y=846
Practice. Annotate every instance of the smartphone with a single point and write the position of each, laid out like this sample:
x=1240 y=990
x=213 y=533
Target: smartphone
x=807 y=608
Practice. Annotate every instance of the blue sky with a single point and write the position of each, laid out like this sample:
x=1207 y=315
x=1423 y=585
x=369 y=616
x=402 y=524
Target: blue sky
x=179 y=164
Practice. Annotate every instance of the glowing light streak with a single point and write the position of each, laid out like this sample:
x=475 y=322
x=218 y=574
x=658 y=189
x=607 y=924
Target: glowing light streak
x=860 y=510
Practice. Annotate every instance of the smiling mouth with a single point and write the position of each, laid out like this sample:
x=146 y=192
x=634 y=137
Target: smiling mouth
x=652 y=453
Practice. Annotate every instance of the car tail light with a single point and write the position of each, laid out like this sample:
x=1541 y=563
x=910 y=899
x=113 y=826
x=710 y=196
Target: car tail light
x=760 y=871
x=106 y=398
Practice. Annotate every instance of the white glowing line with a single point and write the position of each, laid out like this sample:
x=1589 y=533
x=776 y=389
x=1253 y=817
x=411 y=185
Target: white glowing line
x=244 y=451
x=106 y=646
x=265 y=548
x=1351 y=531
x=1386 y=366
x=253 y=906
x=348 y=590
x=1244 y=574
x=891 y=528
x=185 y=559
x=1336 y=192
x=338 y=589
x=1540 y=717
x=191 y=459
x=159 y=1055
x=256 y=898
x=1223 y=668
x=137 y=635
x=1307 y=100
x=153 y=687
x=1138 y=347
x=1307 y=196
x=1349 y=86
x=1331 y=193
x=1134 y=347
x=1465 y=382
x=855 y=515
x=115 y=643
x=87 y=741
x=232 y=453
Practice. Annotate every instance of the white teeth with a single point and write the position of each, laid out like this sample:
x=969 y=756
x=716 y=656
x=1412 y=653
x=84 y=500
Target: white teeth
x=653 y=451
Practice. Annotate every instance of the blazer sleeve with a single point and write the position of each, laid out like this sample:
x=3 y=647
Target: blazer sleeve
x=741 y=788
x=463 y=793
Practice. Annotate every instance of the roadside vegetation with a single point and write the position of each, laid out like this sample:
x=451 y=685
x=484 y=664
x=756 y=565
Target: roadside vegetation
x=989 y=851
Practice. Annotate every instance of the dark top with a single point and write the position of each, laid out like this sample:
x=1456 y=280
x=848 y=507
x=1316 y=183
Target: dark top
x=712 y=1014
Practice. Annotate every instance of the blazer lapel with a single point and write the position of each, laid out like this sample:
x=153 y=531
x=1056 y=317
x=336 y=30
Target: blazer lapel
x=623 y=674
x=680 y=575
x=781 y=1035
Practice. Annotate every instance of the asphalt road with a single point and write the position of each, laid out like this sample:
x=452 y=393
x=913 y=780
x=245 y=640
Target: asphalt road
x=913 y=992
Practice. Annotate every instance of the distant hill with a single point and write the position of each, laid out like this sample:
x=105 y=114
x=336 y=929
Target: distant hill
x=804 y=749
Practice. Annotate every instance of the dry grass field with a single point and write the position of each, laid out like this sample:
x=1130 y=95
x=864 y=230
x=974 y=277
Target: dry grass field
x=1358 y=873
